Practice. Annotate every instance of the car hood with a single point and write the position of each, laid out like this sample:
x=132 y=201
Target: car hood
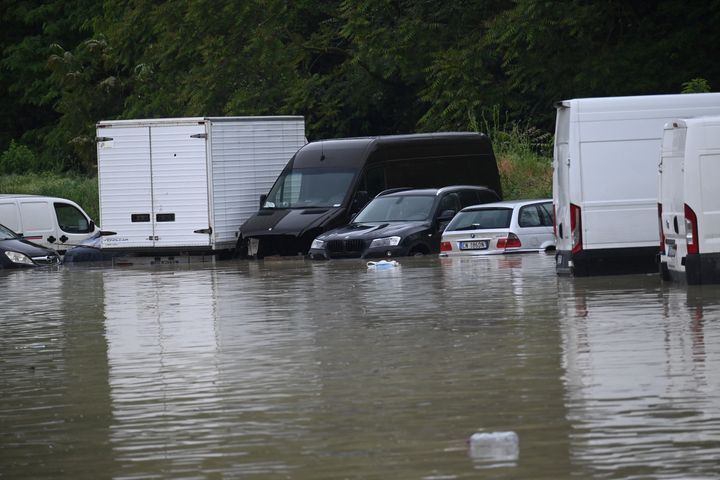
x=23 y=246
x=287 y=221
x=367 y=231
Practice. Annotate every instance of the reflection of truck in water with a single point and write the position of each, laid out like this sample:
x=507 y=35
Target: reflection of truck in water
x=327 y=182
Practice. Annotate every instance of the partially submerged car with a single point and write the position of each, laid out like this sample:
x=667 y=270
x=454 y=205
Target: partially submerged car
x=17 y=252
x=501 y=227
x=399 y=222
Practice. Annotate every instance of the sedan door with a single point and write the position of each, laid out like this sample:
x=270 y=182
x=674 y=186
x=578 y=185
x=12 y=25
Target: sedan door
x=535 y=225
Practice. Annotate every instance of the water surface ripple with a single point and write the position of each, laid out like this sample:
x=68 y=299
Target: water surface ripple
x=325 y=370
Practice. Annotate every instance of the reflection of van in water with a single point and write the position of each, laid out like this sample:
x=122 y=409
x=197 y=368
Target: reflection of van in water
x=55 y=223
x=327 y=182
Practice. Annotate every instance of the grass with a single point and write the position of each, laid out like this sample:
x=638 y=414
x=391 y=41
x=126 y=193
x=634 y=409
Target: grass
x=80 y=189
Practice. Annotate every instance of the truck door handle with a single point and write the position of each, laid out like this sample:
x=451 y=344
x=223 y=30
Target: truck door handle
x=63 y=239
x=51 y=239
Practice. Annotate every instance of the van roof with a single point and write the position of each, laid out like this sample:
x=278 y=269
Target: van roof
x=356 y=150
x=639 y=102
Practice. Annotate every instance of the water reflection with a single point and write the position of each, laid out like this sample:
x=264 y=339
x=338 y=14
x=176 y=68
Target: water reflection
x=641 y=377
x=293 y=369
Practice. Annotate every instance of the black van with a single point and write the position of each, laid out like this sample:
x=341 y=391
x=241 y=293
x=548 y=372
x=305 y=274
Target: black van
x=326 y=182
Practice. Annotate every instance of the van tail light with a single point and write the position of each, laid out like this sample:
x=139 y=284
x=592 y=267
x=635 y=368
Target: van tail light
x=575 y=228
x=662 y=233
x=511 y=241
x=445 y=246
x=691 y=230
x=554 y=221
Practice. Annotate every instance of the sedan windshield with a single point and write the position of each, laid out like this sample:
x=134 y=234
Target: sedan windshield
x=486 y=218
x=6 y=233
x=397 y=208
x=310 y=187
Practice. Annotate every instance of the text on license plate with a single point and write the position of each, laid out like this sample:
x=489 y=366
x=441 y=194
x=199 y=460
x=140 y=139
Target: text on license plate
x=475 y=245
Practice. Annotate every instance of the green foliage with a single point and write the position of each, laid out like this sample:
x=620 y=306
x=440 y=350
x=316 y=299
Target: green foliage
x=524 y=154
x=696 y=85
x=351 y=68
x=82 y=190
x=20 y=159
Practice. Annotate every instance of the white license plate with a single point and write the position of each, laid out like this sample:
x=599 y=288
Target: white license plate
x=475 y=245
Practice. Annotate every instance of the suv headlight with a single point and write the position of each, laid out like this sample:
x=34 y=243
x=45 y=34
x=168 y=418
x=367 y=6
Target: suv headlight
x=318 y=244
x=385 y=242
x=17 y=257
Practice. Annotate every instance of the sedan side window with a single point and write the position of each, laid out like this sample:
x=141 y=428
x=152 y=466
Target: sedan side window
x=529 y=216
x=546 y=211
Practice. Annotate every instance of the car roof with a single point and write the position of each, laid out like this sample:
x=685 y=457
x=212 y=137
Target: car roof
x=506 y=204
x=395 y=192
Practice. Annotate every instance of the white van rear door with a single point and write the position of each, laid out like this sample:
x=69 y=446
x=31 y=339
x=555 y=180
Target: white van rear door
x=561 y=179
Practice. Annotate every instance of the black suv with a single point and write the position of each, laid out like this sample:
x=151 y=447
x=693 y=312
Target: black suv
x=400 y=222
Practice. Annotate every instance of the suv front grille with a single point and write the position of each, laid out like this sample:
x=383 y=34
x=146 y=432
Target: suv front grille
x=346 y=246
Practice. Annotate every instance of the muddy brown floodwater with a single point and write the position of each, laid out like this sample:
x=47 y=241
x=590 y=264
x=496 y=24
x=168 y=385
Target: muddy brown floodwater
x=325 y=370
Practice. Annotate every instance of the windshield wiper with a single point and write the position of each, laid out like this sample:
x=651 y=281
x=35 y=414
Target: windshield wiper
x=474 y=226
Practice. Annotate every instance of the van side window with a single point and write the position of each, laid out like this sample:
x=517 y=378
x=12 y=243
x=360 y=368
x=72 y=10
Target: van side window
x=70 y=219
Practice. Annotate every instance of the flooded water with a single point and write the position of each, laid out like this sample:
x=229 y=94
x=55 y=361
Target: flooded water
x=304 y=370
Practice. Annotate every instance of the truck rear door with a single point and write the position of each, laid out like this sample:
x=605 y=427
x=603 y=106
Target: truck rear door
x=179 y=186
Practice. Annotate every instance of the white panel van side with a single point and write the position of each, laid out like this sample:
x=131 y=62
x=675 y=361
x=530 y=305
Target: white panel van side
x=52 y=222
x=605 y=189
x=689 y=201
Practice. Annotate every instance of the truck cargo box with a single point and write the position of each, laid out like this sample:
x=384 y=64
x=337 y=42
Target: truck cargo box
x=176 y=185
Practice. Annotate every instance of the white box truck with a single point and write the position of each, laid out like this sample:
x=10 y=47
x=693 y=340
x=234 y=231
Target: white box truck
x=605 y=164
x=689 y=201
x=185 y=185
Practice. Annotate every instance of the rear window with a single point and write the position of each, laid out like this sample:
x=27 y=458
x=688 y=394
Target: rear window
x=484 y=219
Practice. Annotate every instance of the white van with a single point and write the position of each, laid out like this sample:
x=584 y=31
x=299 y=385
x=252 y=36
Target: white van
x=689 y=201
x=605 y=179
x=52 y=222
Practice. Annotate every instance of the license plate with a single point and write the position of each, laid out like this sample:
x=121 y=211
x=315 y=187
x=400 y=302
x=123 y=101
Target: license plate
x=476 y=245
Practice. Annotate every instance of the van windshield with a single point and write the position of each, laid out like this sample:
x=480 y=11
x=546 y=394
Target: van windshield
x=310 y=187
x=399 y=208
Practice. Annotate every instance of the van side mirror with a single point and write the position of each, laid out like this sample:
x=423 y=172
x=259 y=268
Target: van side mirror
x=106 y=233
x=263 y=198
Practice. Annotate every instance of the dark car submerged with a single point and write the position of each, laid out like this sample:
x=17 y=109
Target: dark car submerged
x=399 y=222
x=15 y=252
